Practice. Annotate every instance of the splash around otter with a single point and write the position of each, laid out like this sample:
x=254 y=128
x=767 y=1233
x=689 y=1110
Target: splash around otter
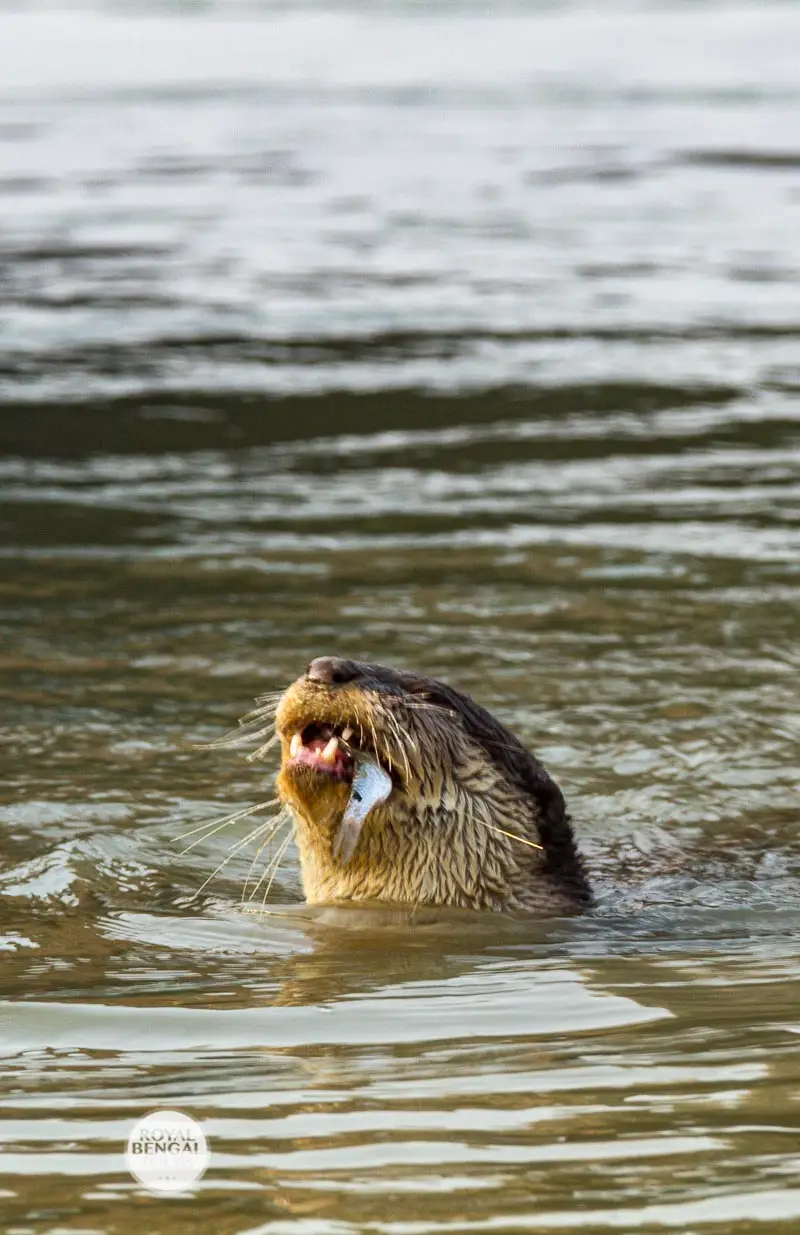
x=472 y=820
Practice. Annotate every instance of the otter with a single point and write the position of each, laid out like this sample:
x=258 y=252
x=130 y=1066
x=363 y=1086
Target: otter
x=472 y=820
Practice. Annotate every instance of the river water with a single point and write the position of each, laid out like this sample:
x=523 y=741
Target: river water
x=462 y=338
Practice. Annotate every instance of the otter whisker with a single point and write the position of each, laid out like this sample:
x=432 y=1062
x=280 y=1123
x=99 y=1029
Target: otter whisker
x=407 y=734
x=271 y=696
x=275 y=865
x=393 y=722
x=378 y=747
x=425 y=705
x=272 y=862
x=246 y=732
x=247 y=899
x=217 y=825
x=237 y=845
x=279 y=820
x=261 y=751
x=432 y=708
x=492 y=743
x=267 y=714
x=387 y=748
x=410 y=736
x=420 y=706
x=522 y=839
x=363 y=729
x=251 y=836
x=264 y=710
x=233 y=738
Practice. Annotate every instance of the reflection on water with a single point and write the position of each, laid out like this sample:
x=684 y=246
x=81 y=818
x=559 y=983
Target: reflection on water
x=455 y=341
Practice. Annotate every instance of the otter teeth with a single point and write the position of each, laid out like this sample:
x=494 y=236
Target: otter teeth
x=329 y=753
x=347 y=733
x=296 y=745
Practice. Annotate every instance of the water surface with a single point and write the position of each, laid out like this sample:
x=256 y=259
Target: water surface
x=455 y=340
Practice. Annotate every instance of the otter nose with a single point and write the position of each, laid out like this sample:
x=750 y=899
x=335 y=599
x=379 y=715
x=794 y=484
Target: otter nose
x=332 y=670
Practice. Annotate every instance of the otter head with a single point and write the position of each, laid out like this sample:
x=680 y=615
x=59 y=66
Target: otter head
x=472 y=819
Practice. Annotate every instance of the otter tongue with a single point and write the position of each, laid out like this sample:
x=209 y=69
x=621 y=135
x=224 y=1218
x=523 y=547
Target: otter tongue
x=371 y=785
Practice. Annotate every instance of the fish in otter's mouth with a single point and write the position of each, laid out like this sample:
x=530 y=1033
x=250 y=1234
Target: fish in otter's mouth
x=456 y=812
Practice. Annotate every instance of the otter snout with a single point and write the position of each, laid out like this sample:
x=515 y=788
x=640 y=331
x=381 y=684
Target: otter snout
x=333 y=671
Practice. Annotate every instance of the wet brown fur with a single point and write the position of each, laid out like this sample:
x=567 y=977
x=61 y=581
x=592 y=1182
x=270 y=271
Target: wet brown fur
x=458 y=774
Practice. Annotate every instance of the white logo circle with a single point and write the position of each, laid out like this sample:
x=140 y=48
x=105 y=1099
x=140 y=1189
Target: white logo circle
x=167 y=1151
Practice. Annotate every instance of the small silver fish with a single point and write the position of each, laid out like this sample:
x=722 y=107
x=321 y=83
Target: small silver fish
x=371 y=785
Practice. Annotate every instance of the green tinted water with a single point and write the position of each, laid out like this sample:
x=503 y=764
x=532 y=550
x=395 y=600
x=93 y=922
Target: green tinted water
x=467 y=366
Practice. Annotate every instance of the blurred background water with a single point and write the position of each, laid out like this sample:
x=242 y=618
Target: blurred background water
x=463 y=337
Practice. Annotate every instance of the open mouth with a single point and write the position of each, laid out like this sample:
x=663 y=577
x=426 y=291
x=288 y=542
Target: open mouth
x=329 y=749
